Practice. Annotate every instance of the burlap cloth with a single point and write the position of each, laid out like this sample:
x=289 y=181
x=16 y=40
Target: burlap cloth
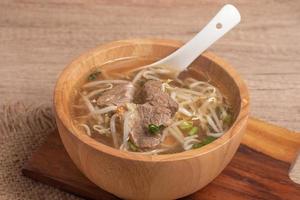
x=22 y=129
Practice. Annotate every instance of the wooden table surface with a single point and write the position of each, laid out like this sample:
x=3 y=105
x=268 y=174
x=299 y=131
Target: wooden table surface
x=38 y=38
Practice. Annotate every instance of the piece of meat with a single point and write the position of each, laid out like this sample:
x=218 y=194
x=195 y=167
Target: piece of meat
x=153 y=94
x=118 y=95
x=158 y=115
x=140 y=119
x=158 y=109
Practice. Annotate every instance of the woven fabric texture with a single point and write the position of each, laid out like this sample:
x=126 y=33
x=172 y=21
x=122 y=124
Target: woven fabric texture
x=22 y=129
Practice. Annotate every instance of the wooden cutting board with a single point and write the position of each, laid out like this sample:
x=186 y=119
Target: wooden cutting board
x=259 y=170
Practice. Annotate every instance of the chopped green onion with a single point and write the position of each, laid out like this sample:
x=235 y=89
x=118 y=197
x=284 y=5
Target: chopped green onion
x=204 y=142
x=227 y=120
x=193 y=131
x=153 y=129
x=132 y=146
x=197 y=145
x=185 y=125
x=94 y=75
x=209 y=139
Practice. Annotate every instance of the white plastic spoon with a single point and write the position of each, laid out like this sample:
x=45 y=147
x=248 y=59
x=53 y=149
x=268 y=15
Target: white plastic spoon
x=227 y=18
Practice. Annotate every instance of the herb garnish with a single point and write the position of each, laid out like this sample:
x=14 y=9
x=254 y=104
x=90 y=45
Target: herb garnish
x=132 y=146
x=228 y=119
x=154 y=129
x=204 y=142
x=94 y=75
x=193 y=131
x=185 y=125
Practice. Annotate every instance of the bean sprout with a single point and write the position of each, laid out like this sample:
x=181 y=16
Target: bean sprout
x=96 y=83
x=87 y=129
x=185 y=111
x=138 y=76
x=99 y=91
x=113 y=129
x=101 y=130
x=149 y=75
x=104 y=110
x=212 y=124
x=88 y=103
x=215 y=134
x=126 y=128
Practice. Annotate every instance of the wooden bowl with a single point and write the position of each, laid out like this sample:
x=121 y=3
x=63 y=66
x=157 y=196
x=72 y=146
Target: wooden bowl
x=134 y=176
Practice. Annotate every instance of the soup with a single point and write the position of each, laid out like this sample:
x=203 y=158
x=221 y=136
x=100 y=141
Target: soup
x=149 y=110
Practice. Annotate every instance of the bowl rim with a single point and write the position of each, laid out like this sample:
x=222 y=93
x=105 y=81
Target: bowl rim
x=239 y=122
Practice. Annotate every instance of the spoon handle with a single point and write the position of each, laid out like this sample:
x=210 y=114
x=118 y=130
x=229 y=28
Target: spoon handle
x=227 y=18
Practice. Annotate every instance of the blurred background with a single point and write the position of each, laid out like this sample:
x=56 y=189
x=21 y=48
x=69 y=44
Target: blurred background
x=39 y=38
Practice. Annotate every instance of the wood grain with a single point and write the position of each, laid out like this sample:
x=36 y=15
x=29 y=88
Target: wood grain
x=250 y=174
x=38 y=38
x=52 y=165
x=282 y=144
x=141 y=176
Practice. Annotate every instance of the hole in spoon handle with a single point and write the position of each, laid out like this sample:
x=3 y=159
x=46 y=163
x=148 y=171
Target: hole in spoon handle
x=219 y=25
